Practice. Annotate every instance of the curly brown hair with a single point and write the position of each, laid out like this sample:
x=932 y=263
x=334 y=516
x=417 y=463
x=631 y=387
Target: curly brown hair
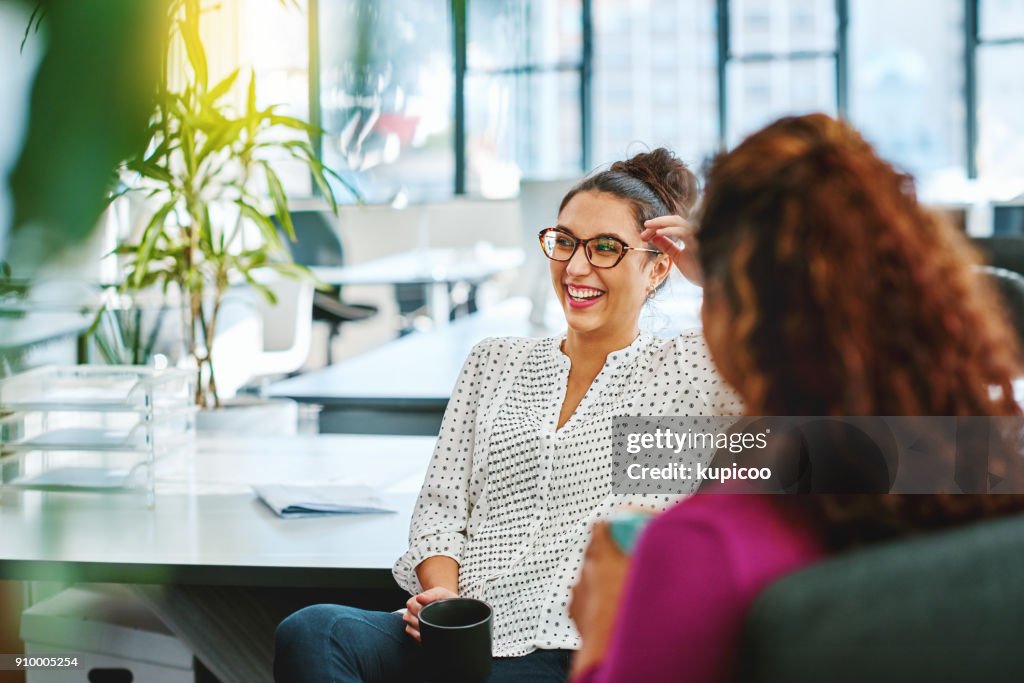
x=845 y=296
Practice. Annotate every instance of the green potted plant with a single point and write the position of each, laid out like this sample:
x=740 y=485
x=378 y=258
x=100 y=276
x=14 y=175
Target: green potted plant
x=205 y=159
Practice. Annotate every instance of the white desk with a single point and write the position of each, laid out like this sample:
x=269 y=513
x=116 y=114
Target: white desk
x=403 y=387
x=434 y=269
x=208 y=527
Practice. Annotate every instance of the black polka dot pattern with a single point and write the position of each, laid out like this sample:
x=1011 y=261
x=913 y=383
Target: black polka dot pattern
x=511 y=498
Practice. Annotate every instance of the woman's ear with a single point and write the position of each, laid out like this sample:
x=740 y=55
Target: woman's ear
x=660 y=271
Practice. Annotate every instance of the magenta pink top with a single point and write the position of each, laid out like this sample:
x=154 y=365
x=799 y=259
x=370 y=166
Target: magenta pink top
x=696 y=570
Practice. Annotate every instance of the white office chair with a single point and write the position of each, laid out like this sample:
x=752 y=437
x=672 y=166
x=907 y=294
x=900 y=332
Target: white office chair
x=237 y=342
x=287 y=328
x=257 y=340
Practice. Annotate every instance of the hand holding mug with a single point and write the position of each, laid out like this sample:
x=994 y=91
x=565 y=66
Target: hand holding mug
x=417 y=602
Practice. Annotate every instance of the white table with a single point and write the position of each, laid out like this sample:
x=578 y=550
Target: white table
x=403 y=387
x=434 y=269
x=208 y=527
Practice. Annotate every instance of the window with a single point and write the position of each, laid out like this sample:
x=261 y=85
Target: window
x=907 y=81
x=386 y=87
x=268 y=33
x=1001 y=19
x=1000 y=88
x=553 y=87
x=781 y=59
x=522 y=93
x=664 y=93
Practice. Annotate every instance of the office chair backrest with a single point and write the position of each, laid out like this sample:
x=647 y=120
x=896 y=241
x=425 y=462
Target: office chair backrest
x=1011 y=290
x=287 y=323
x=1008 y=219
x=317 y=241
x=1002 y=252
x=943 y=606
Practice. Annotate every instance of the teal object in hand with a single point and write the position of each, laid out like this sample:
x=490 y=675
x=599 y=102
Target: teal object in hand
x=625 y=529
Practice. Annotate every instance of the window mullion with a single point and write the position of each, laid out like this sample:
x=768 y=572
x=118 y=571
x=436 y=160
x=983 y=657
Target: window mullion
x=723 y=64
x=586 y=91
x=842 y=58
x=971 y=16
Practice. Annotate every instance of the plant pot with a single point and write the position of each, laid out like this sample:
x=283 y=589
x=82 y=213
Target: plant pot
x=251 y=415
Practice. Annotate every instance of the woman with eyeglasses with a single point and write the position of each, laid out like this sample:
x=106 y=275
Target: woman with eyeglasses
x=523 y=463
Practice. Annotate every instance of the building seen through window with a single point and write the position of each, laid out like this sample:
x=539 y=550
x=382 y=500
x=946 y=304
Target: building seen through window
x=538 y=104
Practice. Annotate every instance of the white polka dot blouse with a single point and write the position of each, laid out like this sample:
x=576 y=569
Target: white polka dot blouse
x=511 y=498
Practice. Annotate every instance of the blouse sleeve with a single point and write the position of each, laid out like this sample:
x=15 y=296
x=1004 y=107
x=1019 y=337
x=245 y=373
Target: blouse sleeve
x=442 y=509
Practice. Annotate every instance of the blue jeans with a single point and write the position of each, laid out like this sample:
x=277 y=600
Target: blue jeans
x=338 y=644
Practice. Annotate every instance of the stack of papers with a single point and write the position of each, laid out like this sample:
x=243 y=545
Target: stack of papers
x=313 y=500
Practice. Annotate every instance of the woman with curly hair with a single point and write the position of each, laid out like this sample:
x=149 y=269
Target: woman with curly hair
x=829 y=291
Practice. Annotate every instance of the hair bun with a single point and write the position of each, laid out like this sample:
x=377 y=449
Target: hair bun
x=666 y=175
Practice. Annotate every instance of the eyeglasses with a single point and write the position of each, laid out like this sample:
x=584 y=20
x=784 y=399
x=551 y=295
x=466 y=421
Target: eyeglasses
x=601 y=252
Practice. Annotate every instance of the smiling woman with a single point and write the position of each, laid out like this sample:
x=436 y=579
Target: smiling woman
x=523 y=463
x=602 y=286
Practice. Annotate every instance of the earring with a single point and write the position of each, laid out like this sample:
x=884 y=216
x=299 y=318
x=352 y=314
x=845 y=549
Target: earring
x=651 y=293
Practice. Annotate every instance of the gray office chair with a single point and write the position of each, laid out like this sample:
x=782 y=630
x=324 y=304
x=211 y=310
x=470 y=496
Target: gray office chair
x=1002 y=251
x=318 y=244
x=1008 y=218
x=1011 y=291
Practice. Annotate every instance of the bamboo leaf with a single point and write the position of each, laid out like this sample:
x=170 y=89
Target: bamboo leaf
x=347 y=185
x=154 y=334
x=266 y=226
x=188 y=150
x=294 y=271
x=290 y=145
x=280 y=201
x=117 y=342
x=254 y=258
x=104 y=346
x=267 y=293
x=223 y=135
x=96 y=321
x=317 y=171
x=251 y=116
x=153 y=230
x=159 y=152
x=189 y=28
x=206 y=232
x=37 y=18
x=154 y=277
x=153 y=171
x=291 y=122
x=222 y=88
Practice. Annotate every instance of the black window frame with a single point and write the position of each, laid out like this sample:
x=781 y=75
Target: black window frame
x=973 y=41
x=972 y=37
x=726 y=56
x=583 y=67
